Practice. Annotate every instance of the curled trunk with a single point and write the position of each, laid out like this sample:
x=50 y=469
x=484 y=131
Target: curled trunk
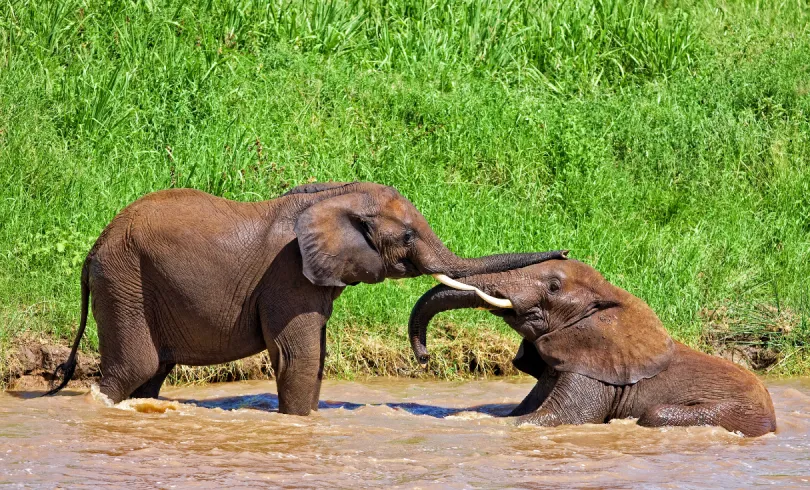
x=440 y=298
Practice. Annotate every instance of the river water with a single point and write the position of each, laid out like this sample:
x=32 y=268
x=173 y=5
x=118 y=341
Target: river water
x=378 y=433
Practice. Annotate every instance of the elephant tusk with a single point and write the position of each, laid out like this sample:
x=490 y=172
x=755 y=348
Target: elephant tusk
x=500 y=303
x=453 y=283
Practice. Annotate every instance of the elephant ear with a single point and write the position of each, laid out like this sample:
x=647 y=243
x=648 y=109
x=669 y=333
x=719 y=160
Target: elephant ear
x=335 y=247
x=528 y=360
x=619 y=345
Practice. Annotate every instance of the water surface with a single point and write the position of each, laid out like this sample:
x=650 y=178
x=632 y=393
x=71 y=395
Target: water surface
x=378 y=433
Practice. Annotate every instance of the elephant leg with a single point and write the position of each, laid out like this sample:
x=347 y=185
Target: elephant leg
x=574 y=399
x=123 y=374
x=538 y=395
x=129 y=357
x=151 y=389
x=297 y=353
x=317 y=392
x=298 y=384
x=683 y=415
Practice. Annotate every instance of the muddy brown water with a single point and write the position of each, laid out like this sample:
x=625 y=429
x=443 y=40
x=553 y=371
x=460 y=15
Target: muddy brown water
x=378 y=433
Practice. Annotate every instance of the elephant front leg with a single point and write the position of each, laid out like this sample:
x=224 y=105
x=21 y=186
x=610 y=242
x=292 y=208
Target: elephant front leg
x=319 y=379
x=538 y=395
x=297 y=351
x=298 y=384
x=574 y=400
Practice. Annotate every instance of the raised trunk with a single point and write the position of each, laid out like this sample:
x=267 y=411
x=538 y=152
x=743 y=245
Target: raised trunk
x=440 y=298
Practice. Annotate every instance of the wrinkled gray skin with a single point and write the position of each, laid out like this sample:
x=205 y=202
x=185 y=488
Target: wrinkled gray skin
x=184 y=277
x=600 y=353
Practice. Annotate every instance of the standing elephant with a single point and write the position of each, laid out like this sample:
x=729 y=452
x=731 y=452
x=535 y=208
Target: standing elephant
x=599 y=353
x=184 y=277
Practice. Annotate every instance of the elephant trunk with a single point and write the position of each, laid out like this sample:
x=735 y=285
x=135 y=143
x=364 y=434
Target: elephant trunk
x=435 y=258
x=440 y=298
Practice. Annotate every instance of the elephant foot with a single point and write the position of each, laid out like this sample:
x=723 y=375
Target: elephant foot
x=534 y=399
x=299 y=386
x=151 y=389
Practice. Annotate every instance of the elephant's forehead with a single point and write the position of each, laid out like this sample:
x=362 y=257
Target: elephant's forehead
x=568 y=268
x=399 y=208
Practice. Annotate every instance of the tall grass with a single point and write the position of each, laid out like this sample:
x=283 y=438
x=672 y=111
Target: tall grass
x=559 y=41
x=666 y=144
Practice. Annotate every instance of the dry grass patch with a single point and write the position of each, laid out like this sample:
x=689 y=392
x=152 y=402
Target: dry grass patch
x=757 y=336
x=456 y=353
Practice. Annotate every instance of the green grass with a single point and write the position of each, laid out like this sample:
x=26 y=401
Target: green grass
x=665 y=143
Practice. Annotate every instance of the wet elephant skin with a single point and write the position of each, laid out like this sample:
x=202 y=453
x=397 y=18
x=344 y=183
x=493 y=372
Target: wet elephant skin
x=600 y=353
x=183 y=277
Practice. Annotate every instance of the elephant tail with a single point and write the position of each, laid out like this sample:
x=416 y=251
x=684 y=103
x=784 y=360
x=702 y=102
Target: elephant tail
x=68 y=367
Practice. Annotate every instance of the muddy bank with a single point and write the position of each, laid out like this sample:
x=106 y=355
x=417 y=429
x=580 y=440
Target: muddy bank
x=31 y=362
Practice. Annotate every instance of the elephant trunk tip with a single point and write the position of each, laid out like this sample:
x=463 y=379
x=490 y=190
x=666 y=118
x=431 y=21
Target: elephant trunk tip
x=420 y=351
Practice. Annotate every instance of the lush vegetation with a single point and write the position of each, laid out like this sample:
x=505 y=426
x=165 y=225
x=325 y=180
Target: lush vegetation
x=664 y=142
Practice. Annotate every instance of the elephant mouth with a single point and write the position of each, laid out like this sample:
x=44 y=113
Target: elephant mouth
x=502 y=312
x=402 y=269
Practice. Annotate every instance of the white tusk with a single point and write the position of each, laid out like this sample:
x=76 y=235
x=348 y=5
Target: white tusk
x=453 y=283
x=500 y=303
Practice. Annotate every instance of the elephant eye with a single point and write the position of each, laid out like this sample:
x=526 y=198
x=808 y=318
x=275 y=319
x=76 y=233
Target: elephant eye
x=367 y=227
x=409 y=237
x=554 y=286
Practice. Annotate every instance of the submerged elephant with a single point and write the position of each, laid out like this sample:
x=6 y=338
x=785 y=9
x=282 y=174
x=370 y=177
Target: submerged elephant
x=184 y=277
x=599 y=353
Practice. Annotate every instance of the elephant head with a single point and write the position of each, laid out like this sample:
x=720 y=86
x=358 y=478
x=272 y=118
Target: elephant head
x=365 y=232
x=566 y=311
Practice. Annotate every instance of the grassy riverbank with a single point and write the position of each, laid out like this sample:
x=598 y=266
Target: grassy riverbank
x=665 y=143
